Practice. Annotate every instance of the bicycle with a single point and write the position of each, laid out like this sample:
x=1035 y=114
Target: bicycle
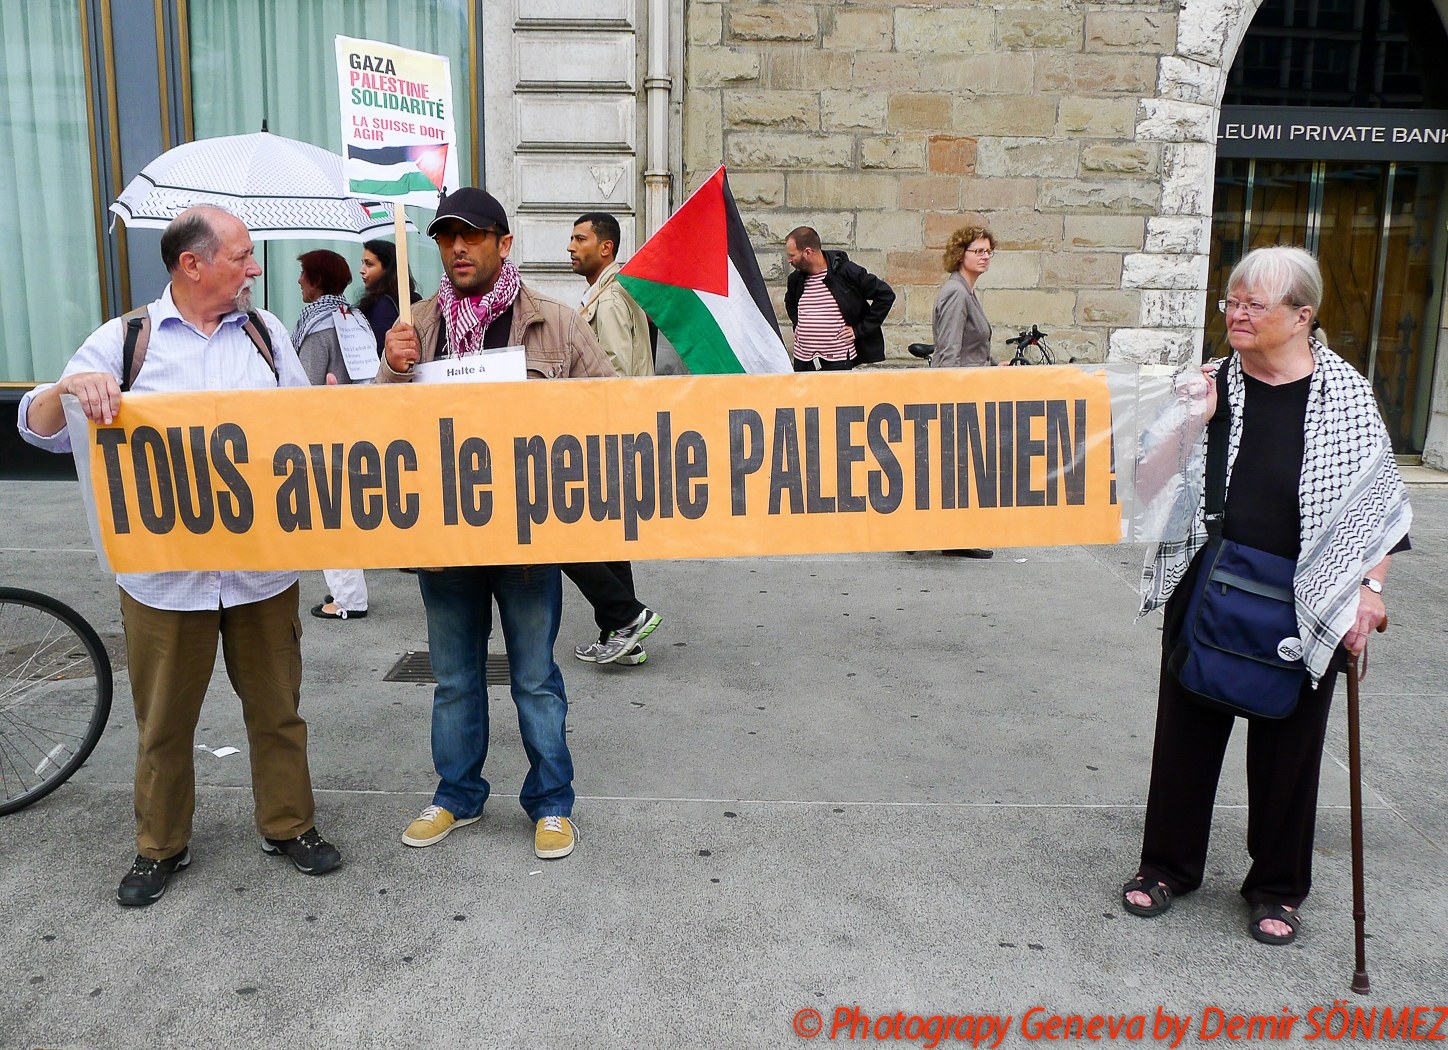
x=1032 y=338
x=55 y=695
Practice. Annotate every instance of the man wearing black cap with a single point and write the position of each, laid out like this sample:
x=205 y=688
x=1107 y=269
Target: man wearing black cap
x=482 y=304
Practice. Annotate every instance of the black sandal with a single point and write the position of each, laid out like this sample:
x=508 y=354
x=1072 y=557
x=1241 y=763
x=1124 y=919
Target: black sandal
x=1160 y=897
x=1280 y=913
x=320 y=611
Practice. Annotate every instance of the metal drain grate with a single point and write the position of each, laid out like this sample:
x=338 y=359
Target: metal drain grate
x=417 y=667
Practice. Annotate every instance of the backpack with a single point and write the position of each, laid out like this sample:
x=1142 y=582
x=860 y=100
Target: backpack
x=138 y=337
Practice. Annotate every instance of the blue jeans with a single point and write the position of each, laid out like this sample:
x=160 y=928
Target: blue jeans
x=459 y=606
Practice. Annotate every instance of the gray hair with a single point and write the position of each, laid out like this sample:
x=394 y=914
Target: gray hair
x=192 y=231
x=1280 y=274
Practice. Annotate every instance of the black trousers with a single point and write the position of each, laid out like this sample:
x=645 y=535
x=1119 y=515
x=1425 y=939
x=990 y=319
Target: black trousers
x=1284 y=758
x=609 y=588
x=824 y=366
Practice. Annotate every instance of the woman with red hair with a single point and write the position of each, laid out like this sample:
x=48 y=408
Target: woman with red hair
x=325 y=322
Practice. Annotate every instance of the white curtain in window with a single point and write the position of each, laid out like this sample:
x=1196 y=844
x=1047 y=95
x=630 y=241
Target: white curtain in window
x=49 y=274
x=277 y=58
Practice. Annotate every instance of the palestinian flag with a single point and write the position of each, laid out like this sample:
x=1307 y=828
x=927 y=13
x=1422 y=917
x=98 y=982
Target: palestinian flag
x=699 y=281
x=391 y=171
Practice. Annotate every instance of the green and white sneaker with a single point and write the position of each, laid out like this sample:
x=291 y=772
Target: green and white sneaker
x=590 y=653
x=626 y=639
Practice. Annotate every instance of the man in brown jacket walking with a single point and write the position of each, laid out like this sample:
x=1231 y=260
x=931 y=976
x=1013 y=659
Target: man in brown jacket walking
x=480 y=305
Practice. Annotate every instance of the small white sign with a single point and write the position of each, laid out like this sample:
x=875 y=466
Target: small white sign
x=1290 y=649
x=359 y=345
x=508 y=364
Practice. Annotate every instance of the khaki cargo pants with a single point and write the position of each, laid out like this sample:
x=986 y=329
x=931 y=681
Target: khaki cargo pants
x=171 y=656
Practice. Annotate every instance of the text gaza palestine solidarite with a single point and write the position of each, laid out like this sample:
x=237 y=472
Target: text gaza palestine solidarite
x=990 y=447
x=373 y=82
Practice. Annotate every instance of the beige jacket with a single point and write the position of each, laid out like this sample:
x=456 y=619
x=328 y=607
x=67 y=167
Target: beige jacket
x=620 y=324
x=558 y=344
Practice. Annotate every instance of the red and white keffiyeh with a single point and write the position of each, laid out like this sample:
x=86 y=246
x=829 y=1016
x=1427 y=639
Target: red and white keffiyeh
x=467 y=319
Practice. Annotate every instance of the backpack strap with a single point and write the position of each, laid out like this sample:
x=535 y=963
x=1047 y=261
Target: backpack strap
x=256 y=329
x=133 y=351
x=138 y=337
x=1219 y=437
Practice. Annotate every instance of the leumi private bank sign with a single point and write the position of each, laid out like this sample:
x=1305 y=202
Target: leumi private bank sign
x=1304 y=133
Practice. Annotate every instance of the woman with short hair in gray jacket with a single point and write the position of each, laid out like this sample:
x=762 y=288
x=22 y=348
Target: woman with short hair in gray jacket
x=962 y=333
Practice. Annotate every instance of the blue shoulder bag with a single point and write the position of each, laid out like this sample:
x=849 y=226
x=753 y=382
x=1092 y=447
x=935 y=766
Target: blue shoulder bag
x=1239 y=649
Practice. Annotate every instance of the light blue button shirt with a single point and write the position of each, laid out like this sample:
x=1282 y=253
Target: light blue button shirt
x=179 y=357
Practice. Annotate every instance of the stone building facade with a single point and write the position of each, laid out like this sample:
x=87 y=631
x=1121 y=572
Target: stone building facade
x=886 y=126
x=1083 y=133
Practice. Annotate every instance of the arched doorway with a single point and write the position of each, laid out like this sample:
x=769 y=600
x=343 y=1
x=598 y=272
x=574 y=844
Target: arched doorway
x=1334 y=136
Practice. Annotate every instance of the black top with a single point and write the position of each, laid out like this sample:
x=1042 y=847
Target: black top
x=1262 y=496
x=381 y=316
x=1262 y=508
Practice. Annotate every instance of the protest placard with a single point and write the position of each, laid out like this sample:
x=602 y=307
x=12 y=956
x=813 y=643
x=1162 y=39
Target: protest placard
x=521 y=473
x=398 y=139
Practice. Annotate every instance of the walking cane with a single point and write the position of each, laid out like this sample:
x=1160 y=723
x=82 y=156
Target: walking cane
x=1355 y=792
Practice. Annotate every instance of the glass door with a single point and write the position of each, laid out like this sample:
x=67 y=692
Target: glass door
x=1350 y=226
x=1380 y=232
x=1401 y=368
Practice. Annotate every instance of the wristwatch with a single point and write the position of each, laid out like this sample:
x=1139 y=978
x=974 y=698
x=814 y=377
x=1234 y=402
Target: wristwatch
x=1372 y=585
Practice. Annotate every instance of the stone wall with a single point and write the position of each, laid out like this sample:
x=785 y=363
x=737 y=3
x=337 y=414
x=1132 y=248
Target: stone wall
x=885 y=126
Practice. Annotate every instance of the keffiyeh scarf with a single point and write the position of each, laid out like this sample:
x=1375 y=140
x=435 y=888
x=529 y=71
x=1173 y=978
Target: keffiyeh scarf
x=314 y=313
x=1353 y=505
x=468 y=319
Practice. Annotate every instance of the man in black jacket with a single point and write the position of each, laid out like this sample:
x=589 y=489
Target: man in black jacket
x=836 y=306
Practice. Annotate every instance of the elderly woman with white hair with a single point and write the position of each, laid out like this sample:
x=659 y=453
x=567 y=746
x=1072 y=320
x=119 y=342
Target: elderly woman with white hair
x=1311 y=478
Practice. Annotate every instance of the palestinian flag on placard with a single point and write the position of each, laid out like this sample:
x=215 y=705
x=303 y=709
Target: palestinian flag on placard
x=374 y=210
x=699 y=281
x=393 y=170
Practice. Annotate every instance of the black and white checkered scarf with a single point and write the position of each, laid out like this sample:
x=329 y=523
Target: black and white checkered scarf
x=1352 y=502
x=314 y=313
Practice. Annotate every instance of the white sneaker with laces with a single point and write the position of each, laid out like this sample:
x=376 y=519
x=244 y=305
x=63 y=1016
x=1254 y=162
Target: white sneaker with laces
x=588 y=653
x=625 y=639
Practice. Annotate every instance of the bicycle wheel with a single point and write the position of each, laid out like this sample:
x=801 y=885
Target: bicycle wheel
x=55 y=695
x=1037 y=354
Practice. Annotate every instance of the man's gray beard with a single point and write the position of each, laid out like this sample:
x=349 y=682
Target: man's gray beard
x=243 y=301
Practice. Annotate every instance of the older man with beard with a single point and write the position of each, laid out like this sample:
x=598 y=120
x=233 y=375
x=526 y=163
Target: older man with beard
x=202 y=334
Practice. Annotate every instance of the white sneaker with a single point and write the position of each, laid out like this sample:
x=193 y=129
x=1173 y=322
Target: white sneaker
x=626 y=639
x=588 y=653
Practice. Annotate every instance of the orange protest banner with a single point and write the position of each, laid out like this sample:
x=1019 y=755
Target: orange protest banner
x=616 y=469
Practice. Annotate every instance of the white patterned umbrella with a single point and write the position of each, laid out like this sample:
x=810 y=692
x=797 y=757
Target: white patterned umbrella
x=281 y=188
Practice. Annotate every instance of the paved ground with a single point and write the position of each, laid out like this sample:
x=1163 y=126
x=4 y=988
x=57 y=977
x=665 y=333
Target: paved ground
x=906 y=783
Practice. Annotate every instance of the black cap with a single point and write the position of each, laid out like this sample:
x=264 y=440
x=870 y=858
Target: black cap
x=478 y=208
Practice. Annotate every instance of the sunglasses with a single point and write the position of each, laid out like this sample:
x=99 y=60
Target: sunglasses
x=467 y=233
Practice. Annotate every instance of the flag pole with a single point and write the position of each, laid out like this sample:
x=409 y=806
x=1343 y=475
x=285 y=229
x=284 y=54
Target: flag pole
x=404 y=299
